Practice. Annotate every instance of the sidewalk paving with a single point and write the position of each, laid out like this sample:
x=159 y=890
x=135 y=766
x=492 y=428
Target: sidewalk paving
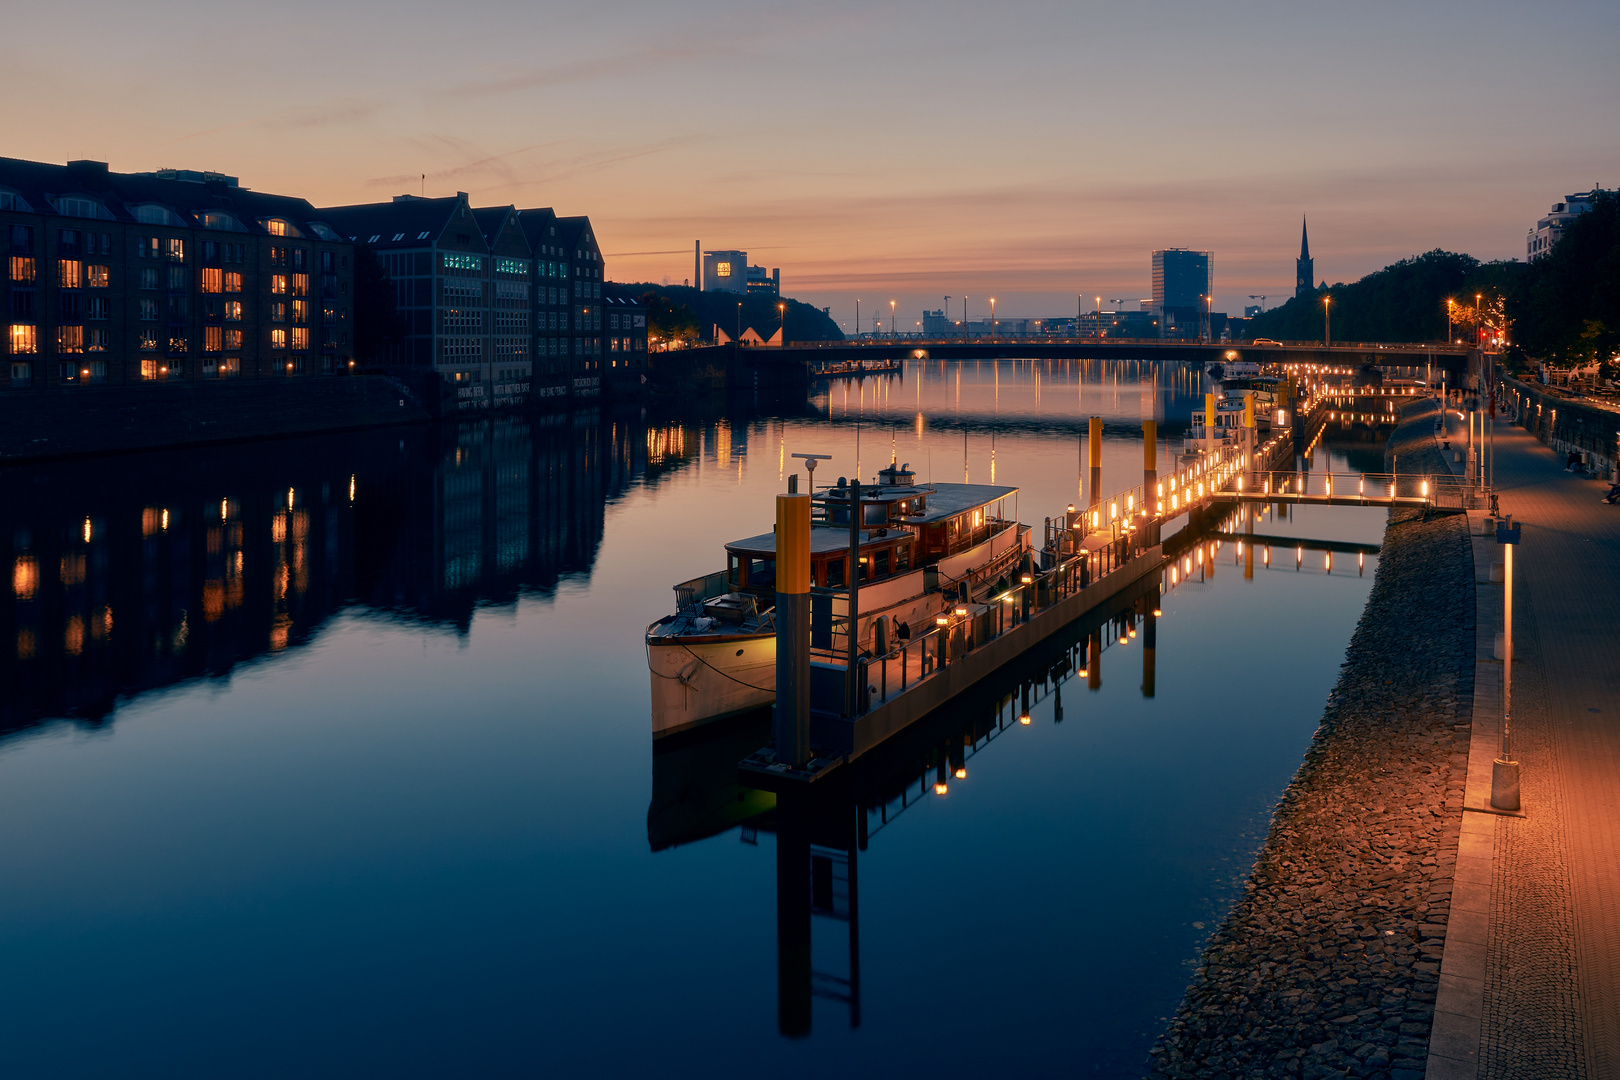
x=1542 y=999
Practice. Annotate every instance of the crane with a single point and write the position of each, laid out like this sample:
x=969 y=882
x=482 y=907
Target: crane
x=1260 y=298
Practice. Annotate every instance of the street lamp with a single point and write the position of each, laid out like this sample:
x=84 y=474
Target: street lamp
x=739 y=322
x=992 y=318
x=1327 y=321
x=781 y=322
x=891 y=319
x=1450 y=304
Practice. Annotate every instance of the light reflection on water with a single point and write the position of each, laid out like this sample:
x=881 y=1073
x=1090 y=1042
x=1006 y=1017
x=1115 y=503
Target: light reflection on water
x=375 y=776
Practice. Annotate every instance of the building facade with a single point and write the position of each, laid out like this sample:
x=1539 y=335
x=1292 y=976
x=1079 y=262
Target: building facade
x=1541 y=239
x=1183 y=281
x=123 y=278
x=725 y=271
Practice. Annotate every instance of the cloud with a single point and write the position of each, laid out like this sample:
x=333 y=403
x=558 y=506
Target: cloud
x=491 y=163
x=579 y=71
x=343 y=110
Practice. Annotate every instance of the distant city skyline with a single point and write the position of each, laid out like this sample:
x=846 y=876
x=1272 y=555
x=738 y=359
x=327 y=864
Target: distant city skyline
x=1032 y=154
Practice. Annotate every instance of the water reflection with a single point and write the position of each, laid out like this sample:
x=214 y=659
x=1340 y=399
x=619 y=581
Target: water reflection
x=133 y=574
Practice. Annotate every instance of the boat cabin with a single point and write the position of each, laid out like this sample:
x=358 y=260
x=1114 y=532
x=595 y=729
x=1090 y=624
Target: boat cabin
x=903 y=526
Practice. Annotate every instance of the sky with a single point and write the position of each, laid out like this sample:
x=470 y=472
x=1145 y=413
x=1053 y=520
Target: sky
x=1033 y=152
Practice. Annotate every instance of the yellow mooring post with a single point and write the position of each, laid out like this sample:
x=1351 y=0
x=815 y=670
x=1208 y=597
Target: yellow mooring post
x=1209 y=421
x=1150 y=477
x=791 y=722
x=1094 y=459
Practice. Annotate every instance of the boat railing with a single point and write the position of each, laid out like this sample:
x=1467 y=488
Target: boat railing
x=690 y=595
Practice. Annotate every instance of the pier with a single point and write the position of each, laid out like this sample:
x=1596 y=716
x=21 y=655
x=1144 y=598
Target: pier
x=1087 y=561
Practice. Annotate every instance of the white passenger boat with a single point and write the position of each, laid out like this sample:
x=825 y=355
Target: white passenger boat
x=920 y=545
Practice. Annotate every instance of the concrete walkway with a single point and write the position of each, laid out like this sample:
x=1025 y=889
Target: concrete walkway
x=1541 y=998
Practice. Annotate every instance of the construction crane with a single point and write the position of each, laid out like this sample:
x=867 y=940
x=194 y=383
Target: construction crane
x=1260 y=298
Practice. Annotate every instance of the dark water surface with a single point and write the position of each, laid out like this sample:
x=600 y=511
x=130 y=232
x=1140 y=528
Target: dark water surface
x=331 y=757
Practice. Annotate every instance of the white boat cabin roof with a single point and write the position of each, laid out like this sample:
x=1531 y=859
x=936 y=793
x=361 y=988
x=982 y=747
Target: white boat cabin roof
x=941 y=501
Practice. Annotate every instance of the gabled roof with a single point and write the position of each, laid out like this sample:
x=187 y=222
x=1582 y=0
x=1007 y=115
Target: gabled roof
x=536 y=223
x=119 y=194
x=571 y=231
x=618 y=296
x=406 y=217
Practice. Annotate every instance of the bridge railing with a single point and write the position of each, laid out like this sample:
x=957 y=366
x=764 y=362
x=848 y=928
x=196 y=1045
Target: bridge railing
x=1440 y=491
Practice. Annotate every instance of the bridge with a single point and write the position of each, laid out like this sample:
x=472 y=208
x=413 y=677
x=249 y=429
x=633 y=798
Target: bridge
x=1384 y=354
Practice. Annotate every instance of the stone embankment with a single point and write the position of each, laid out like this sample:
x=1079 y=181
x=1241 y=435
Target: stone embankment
x=1328 y=964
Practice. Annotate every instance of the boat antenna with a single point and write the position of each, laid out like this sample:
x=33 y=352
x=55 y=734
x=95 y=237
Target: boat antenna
x=810 y=461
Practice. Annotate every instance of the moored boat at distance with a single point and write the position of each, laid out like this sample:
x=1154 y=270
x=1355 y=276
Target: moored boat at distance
x=920 y=547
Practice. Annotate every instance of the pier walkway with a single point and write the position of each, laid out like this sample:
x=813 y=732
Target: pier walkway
x=1531 y=979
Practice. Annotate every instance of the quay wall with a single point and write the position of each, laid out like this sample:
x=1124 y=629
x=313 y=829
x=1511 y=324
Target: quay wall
x=1329 y=963
x=1566 y=424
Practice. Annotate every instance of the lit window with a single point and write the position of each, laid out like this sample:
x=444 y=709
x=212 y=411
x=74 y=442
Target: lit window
x=70 y=273
x=148 y=342
x=278 y=284
x=233 y=281
x=300 y=311
x=463 y=262
x=69 y=340
x=22 y=269
x=24 y=340
x=96 y=277
x=278 y=339
x=97 y=341
x=177 y=250
x=280 y=227
x=233 y=311
x=149 y=368
x=233 y=340
x=213 y=339
x=177 y=344
x=300 y=337
x=722 y=269
x=212 y=279
x=300 y=284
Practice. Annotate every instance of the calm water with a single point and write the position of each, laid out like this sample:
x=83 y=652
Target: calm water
x=331 y=757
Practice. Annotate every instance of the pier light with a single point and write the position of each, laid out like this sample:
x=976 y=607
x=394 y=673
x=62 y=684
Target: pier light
x=1113 y=511
x=961 y=611
x=1425 y=489
x=1299 y=554
x=940 y=788
x=1096 y=518
x=1157 y=612
x=1130 y=503
x=1199 y=557
x=1160 y=509
x=1362 y=489
x=1071 y=508
x=1240 y=483
x=1392 y=489
x=1084 y=672
x=1361 y=559
x=1174 y=576
x=961 y=772
x=1327 y=561
x=1023 y=718
x=942 y=621
x=1009 y=598
x=1161 y=493
x=1122 y=639
x=1131 y=631
x=1268 y=555
x=1026 y=579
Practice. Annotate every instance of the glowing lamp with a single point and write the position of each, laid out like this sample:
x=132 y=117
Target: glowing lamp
x=961 y=774
x=1024 y=718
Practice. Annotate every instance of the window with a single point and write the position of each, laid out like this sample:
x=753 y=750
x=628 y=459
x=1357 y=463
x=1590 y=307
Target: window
x=278 y=256
x=280 y=227
x=94 y=371
x=722 y=269
x=300 y=284
x=22 y=373
x=149 y=311
x=613 y=321
x=278 y=312
x=215 y=219
x=299 y=258
x=147 y=247
x=149 y=368
x=70 y=273
x=230 y=365
x=22 y=269
x=473 y=263
x=210 y=251
x=97 y=341
x=233 y=339
x=97 y=277
x=95 y=309
x=211 y=279
x=22 y=238
x=512 y=266
x=177 y=250
x=179 y=309
x=233 y=281
x=79 y=206
x=10 y=200
x=300 y=337
x=69 y=308
x=300 y=311
x=177 y=279
x=233 y=311
x=177 y=343
x=147 y=340
x=278 y=339
x=213 y=339
x=326 y=262
x=278 y=284
x=152 y=214
x=24 y=340
x=69 y=340
x=22 y=305
x=149 y=278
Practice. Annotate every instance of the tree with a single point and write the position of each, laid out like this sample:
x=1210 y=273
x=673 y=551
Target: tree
x=667 y=321
x=1568 y=306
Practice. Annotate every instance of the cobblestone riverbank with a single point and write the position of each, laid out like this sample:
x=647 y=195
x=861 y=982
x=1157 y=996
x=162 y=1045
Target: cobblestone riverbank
x=1328 y=964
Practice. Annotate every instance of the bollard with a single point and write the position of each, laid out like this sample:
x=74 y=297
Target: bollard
x=791 y=719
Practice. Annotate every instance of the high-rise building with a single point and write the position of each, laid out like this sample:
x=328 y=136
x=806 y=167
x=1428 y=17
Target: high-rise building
x=1547 y=231
x=1183 y=283
x=1304 y=266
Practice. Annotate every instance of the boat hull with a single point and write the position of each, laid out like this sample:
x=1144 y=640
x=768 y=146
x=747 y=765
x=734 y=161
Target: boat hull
x=700 y=678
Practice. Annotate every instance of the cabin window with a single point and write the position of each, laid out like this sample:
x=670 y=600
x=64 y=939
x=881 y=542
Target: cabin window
x=734 y=571
x=761 y=571
x=880 y=563
x=834 y=573
x=874 y=513
x=902 y=558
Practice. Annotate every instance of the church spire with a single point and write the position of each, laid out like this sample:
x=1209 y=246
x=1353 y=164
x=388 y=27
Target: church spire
x=1304 y=266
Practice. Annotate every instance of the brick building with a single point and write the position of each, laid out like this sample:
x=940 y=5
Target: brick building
x=123 y=278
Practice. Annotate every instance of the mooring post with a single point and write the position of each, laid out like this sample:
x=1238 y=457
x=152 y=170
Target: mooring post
x=1209 y=423
x=1094 y=458
x=791 y=721
x=1150 y=480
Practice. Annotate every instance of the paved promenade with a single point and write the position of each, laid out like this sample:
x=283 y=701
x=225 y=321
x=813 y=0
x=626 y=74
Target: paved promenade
x=1531 y=985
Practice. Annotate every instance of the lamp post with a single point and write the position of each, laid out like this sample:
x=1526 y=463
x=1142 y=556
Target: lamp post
x=892 y=333
x=739 y=322
x=781 y=323
x=1327 y=321
x=1450 y=304
x=992 y=319
x=857 y=318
